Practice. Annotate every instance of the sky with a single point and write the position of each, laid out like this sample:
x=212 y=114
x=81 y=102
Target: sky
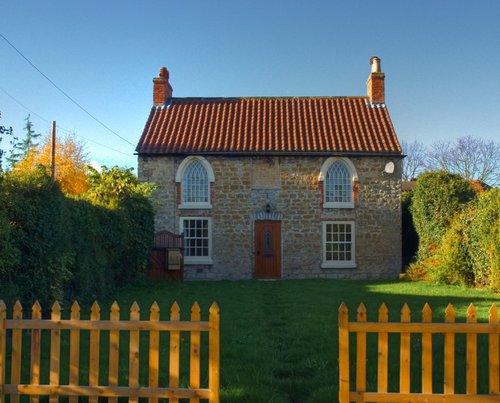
x=441 y=61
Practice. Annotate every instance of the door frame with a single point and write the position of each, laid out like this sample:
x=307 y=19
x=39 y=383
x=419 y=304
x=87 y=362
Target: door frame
x=278 y=249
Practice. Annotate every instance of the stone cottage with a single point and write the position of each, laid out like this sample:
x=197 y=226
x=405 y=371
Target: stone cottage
x=278 y=187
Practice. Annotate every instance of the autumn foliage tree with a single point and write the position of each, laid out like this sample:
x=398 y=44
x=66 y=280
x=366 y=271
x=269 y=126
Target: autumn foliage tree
x=71 y=163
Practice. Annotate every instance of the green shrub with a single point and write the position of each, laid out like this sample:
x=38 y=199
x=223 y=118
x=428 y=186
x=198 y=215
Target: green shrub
x=468 y=254
x=129 y=230
x=91 y=276
x=438 y=196
x=483 y=239
x=37 y=213
x=450 y=262
x=9 y=253
x=57 y=247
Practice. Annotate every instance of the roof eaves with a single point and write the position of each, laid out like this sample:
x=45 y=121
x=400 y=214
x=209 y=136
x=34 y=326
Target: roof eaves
x=280 y=153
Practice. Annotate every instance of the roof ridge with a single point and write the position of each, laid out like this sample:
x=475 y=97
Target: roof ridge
x=272 y=97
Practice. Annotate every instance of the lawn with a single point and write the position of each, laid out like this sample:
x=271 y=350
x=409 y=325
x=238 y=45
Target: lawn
x=279 y=339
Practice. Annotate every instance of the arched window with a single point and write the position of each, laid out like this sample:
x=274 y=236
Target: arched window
x=338 y=175
x=195 y=175
x=195 y=187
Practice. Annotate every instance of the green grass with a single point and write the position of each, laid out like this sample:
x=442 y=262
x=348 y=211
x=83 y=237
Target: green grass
x=279 y=339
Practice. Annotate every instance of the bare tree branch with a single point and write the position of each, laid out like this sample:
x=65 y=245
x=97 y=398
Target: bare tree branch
x=470 y=157
x=414 y=162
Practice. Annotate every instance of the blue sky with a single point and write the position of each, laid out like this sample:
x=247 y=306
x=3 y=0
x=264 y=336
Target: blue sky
x=441 y=60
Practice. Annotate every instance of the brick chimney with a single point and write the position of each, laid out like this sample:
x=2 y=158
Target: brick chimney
x=375 y=85
x=162 y=90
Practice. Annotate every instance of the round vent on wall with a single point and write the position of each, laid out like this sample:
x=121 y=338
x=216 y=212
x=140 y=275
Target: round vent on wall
x=389 y=168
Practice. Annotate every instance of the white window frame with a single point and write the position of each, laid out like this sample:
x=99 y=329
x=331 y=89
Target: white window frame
x=322 y=178
x=339 y=264
x=198 y=259
x=210 y=175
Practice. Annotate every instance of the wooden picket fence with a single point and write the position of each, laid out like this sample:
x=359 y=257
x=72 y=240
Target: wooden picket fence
x=100 y=331
x=426 y=329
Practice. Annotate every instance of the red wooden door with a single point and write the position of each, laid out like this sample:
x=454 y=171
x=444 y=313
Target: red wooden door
x=267 y=249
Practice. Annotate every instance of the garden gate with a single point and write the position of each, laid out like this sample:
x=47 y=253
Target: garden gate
x=101 y=358
x=167 y=260
x=426 y=329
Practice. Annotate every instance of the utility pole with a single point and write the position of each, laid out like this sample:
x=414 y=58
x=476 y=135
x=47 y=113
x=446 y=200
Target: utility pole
x=53 y=159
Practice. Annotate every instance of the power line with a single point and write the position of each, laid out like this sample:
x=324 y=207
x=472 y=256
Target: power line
x=67 y=131
x=64 y=93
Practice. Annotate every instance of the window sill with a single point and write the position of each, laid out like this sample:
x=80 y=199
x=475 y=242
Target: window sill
x=338 y=205
x=338 y=265
x=188 y=261
x=195 y=206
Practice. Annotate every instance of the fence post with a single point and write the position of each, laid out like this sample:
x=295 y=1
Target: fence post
x=405 y=353
x=194 y=354
x=493 y=349
x=343 y=354
x=154 y=350
x=74 y=351
x=36 y=340
x=427 y=352
x=133 y=352
x=17 y=344
x=449 y=353
x=55 y=351
x=114 y=350
x=383 y=352
x=94 y=344
x=175 y=347
x=471 y=358
x=213 y=353
x=361 y=352
x=3 y=340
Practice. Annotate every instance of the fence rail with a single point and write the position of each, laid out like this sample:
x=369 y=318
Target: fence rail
x=13 y=329
x=426 y=329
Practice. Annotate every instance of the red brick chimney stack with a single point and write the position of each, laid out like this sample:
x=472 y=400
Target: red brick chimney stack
x=375 y=85
x=162 y=90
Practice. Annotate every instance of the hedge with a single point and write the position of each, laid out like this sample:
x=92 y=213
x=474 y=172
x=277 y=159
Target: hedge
x=58 y=247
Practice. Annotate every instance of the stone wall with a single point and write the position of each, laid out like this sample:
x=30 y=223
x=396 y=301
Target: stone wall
x=289 y=187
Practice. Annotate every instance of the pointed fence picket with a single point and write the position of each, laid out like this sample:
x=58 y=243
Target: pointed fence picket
x=426 y=329
x=99 y=331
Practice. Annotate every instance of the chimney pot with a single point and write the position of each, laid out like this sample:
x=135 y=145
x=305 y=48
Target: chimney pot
x=163 y=72
x=375 y=63
x=375 y=85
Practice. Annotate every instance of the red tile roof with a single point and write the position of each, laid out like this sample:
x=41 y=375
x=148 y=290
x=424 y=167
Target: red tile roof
x=269 y=126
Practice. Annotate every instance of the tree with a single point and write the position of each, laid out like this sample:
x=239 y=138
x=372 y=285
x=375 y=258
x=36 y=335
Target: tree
x=21 y=148
x=113 y=186
x=4 y=130
x=469 y=157
x=71 y=170
x=414 y=162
